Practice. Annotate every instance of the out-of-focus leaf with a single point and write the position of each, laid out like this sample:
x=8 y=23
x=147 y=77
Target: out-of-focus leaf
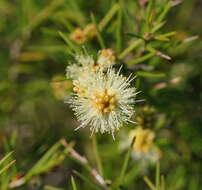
x=150 y=74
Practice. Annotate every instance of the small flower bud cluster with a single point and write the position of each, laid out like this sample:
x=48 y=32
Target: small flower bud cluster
x=81 y=36
x=103 y=99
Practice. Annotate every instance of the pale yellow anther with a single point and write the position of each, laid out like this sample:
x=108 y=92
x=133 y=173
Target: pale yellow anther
x=101 y=94
x=75 y=89
x=112 y=100
x=106 y=110
x=106 y=98
x=100 y=107
x=93 y=97
x=97 y=101
x=111 y=93
x=112 y=107
x=78 y=88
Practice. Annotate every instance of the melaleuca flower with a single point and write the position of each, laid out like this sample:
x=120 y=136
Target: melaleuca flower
x=81 y=36
x=81 y=72
x=106 y=101
x=144 y=150
x=78 y=36
x=85 y=64
x=106 y=58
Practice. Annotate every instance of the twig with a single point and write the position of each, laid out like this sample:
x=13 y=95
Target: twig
x=77 y=157
x=84 y=162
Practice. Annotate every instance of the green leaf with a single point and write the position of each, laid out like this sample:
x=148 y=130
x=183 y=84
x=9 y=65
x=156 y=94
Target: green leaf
x=157 y=27
x=7 y=166
x=125 y=163
x=167 y=7
x=141 y=59
x=149 y=183
x=108 y=16
x=99 y=36
x=73 y=183
x=119 y=29
x=97 y=155
x=158 y=175
x=89 y=182
x=150 y=74
x=50 y=159
x=130 y=48
x=73 y=46
x=5 y=157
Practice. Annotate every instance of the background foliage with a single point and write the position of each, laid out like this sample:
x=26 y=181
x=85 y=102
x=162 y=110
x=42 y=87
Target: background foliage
x=158 y=41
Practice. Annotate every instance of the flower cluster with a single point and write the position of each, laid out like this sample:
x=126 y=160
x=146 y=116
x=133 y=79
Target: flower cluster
x=103 y=99
x=144 y=149
x=81 y=36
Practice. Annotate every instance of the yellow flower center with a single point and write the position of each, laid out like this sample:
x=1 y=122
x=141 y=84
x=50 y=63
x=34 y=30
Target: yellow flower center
x=104 y=102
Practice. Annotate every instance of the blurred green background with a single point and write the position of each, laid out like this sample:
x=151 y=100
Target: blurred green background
x=33 y=116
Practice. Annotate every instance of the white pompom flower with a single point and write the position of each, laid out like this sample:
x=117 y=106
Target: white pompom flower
x=103 y=100
x=85 y=64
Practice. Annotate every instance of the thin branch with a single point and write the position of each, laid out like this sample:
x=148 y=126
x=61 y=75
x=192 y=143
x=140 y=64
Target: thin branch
x=84 y=162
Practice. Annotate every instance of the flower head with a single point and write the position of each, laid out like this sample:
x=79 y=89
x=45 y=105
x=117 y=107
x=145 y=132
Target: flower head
x=78 y=36
x=81 y=36
x=106 y=103
x=86 y=65
x=103 y=99
x=144 y=148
